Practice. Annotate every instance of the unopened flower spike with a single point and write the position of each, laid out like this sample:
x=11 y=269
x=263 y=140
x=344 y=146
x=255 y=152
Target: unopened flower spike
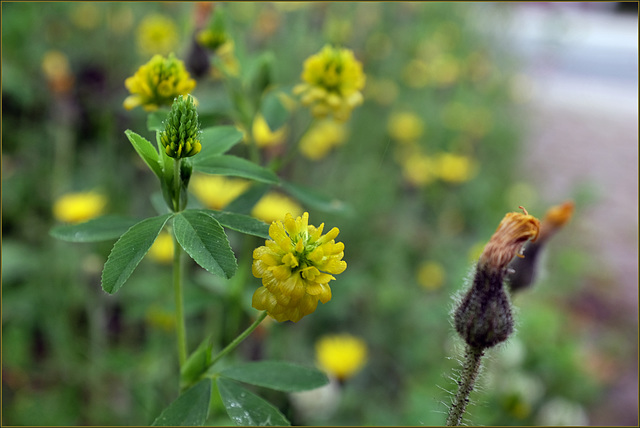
x=181 y=135
x=296 y=265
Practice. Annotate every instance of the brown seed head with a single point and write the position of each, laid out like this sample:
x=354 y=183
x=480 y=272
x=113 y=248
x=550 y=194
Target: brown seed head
x=513 y=231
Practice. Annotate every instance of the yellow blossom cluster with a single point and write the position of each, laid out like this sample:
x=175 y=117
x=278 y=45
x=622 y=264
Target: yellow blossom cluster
x=333 y=79
x=341 y=355
x=157 y=83
x=296 y=265
x=79 y=207
x=157 y=34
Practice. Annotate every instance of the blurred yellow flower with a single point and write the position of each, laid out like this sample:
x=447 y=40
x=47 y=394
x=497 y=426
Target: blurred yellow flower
x=79 y=207
x=333 y=81
x=444 y=70
x=419 y=169
x=86 y=15
x=416 y=74
x=431 y=275
x=454 y=168
x=274 y=206
x=296 y=266
x=382 y=91
x=321 y=138
x=405 y=127
x=264 y=136
x=341 y=355
x=217 y=191
x=157 y=34
x=56 y=68
x=162 y=249
x=158 y=83
x=161 y=318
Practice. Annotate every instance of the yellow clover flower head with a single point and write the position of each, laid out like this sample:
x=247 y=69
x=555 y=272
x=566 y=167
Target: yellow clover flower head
x=157 y=83
x=323 y=137
x=333 y=79
x=157 y=34
x=79 y=207
x=296 y=265
x=181 y=135
x=341 y=355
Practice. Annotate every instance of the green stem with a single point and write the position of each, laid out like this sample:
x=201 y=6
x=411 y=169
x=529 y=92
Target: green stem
x=230 y=347
x=177 y=290
x=176 y=184
x=470 y=371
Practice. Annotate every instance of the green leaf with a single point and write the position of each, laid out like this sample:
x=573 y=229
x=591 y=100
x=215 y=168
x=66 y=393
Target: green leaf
x=95 y=230
x=241 y=223
x=146 y=151
x=234 y=166
x=273 y=111
x=155 y=119
x=196 y=364
x=314 y=199
x=191 y=408
x=217 y=140
x=204 y=240
x=247 y=409
x=278 y=375
x=127 y=252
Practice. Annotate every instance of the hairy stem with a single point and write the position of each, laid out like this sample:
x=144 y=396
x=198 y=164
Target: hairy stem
x=470 y=371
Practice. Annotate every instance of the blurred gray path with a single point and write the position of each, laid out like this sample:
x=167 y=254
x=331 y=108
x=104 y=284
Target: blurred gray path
x=583 y=66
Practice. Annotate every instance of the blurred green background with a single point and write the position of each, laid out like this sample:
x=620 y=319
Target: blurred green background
x=441 y=79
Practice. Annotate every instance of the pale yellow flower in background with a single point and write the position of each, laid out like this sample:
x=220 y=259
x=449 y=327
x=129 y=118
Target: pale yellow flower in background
x=158 y=83
x=415 y=74
x=382 y=91
x=405 y=126
x=431 y=275
x=341 y=355
x=444 y=70
x=79 y=207
x=274 y=206
x=264 y=136
x=161 y=318
x=157 y=34
x=86 y=15
x=322 y=138
x=162 y=249
x=56 y=68
x=333 y=80
x=454 y=168
x=217 y=191
x=419 y=169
